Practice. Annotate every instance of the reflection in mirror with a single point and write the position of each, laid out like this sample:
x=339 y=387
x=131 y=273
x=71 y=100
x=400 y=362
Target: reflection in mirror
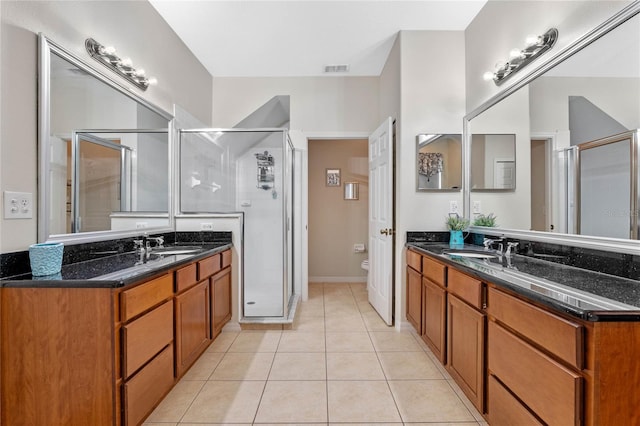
x=439 y=162
x=493 y=162
x=569 y=179
x=113 y=178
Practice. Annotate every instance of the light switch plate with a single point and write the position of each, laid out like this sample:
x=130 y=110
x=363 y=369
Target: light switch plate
x=477 y=207
x=453 y=207
x=18 y=205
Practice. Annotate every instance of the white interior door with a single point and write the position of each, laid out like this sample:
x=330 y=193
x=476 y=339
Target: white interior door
x=504 y=173
x=380 y=279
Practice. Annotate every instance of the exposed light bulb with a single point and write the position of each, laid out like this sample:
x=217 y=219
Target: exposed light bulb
x=110 y=50
x=152 y=81
x=140 y=72
x=532 y=39
x=126 y=62
x=488 y=76
x=515 y=53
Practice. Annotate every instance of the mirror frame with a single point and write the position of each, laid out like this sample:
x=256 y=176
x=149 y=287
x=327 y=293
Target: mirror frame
x=418 y=188
x=47 y=47
x=585 y=241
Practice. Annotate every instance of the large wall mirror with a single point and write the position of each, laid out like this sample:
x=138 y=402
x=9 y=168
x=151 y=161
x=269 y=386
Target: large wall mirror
x=439 y=162
x=104 y=163
x=574 y=122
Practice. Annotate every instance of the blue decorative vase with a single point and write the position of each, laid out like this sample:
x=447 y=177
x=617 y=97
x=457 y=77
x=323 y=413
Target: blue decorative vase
x=45 y=258
x=456 y=240
x=478 y=239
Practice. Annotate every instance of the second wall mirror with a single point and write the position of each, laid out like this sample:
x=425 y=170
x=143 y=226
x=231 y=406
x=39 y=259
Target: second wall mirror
x=438 y=162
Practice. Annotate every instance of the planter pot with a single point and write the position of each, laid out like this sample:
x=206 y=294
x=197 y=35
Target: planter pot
x=45 y=258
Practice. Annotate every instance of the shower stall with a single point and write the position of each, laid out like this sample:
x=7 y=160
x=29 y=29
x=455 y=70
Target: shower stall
x=249 y=171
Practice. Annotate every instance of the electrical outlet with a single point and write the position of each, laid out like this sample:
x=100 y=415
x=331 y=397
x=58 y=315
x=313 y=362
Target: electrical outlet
x=453 y=207
x=477 y=207
x=140 y=225
x=18 y=205
x=208 y=226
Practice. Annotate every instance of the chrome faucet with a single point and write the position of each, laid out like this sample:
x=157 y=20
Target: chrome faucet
x=143 y=246
x=488 y=243
x=507 y=254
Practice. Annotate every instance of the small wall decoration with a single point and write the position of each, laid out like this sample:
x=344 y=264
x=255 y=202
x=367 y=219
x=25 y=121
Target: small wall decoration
x=333 y=177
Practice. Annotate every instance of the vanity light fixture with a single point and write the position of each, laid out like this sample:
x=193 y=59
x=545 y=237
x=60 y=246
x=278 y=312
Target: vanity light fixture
x=106 y=55
x=536 y=46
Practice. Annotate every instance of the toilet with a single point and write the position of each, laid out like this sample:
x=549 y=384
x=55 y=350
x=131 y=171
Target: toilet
x=365 y=264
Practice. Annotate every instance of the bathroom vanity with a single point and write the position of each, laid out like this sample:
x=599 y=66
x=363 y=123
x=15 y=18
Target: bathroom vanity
x=105 y=350
x=524 y=354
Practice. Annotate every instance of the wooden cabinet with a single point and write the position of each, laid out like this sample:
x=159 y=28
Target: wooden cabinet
x=434 y=319
x=505 y=409
x=104 y=356
x=465 y=348
x=192 y=325
x=220 y=300
x=414 y=299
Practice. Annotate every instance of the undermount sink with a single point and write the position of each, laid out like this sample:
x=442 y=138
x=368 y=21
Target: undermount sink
x=174 y=250
x=476 y=254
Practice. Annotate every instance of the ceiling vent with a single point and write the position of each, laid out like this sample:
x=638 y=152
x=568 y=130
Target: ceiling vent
x=336 y=68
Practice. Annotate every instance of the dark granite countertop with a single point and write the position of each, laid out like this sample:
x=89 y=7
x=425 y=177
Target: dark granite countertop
x=586 y=294
x=115 y=271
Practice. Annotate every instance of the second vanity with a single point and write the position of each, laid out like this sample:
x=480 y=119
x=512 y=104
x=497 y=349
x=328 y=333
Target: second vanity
x=105 y=349
x=525 y=350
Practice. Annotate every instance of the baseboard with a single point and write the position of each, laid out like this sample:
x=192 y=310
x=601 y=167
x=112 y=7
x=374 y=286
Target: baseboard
x=337 y=279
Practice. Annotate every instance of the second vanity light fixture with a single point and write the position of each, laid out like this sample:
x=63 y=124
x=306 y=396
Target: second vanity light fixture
x=107 y=57
x=518 y=59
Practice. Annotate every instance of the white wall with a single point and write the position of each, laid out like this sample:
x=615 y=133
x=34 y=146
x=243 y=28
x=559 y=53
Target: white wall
x=431 y=77
x=318 y=104
x=133 y=27
x=504 y=25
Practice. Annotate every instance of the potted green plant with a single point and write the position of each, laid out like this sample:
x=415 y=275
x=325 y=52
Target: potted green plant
x=456 y=225
x=488 y=220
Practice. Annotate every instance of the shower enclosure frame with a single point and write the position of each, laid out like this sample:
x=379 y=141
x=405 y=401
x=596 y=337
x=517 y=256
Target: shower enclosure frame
x=288 y=287
x=573 y=168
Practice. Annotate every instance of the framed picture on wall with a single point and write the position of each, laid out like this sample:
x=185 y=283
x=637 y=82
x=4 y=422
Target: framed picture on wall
x=333 y=177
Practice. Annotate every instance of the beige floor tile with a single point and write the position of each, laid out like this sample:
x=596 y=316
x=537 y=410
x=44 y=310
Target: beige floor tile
x=161 y=424
x=311 y=308
x=243 y=366
x=428 y=401
x=256 y=341
x=306 y=323
x=298 y=366
x=211 y=424
x=361 y=401
x=293 y=402
x=204 y=366
x=225 y=402
x=176 y=403
x=358 y=341
x=358 y=286
x=353 y=366
x=393 y=341
x=373 y=322
x=290 y=424
x=408 y=366
x=440 y=424
x=222 y=342
x=467 y=403
x=361 y=296
x=299 y=341
x=344 y=323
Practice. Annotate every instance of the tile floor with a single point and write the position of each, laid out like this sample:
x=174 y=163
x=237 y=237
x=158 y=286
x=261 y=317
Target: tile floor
x=339 y=364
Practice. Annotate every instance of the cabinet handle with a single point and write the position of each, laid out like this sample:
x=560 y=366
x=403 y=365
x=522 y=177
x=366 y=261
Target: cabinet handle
x=484 y=297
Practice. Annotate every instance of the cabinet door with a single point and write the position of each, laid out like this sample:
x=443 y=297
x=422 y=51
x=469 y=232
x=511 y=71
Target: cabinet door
x=414 y=299
x=465 y=349
x=192 y=325
x=434 y=305
x=221 y=300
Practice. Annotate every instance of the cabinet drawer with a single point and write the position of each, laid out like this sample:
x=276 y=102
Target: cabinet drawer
x=557 y=335
x=466 y=288
x=226 y=258
x=186 y=277
x=208 y=266
x=145 y=296
x=504 y=410
x=435 y=271
x=146 y=336
x=145 y=389
x=414 y=260
x=550 y=390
